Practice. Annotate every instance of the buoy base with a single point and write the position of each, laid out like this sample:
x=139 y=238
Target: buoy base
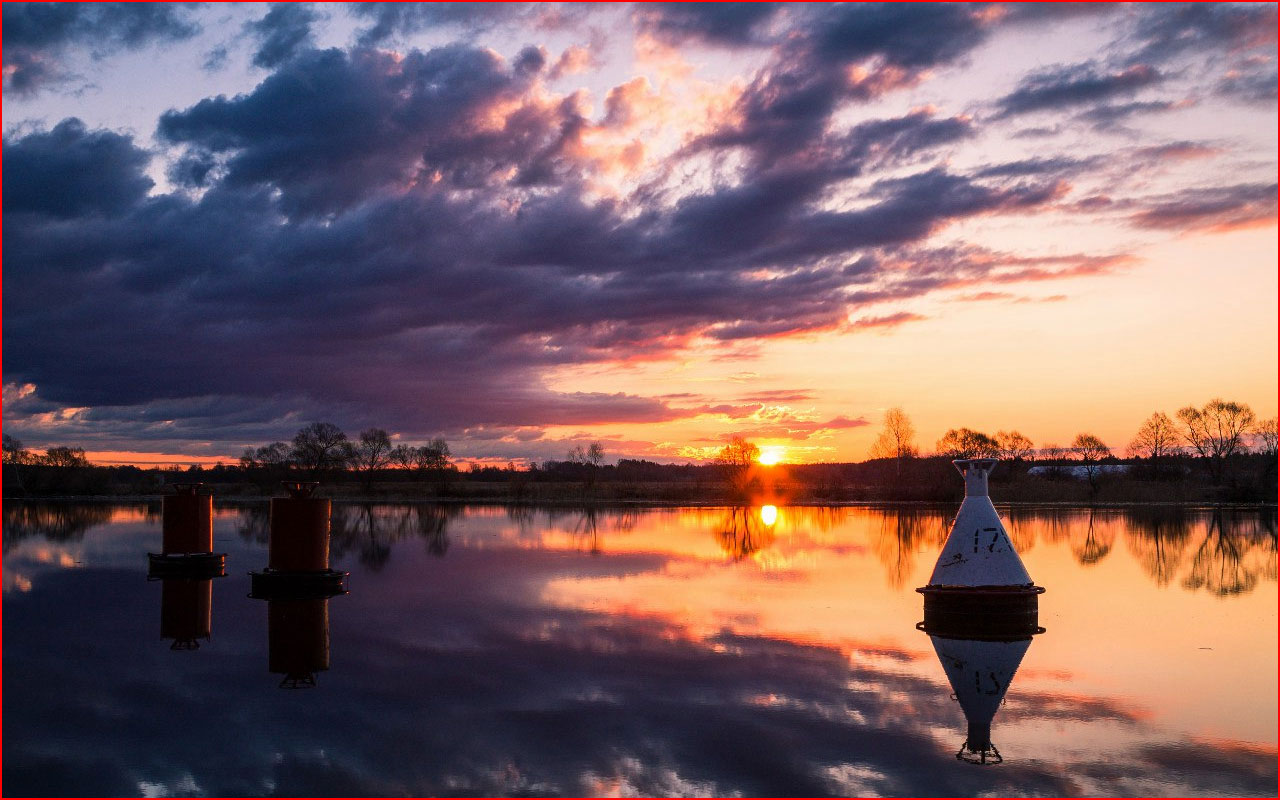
x=981 y=613
x=986 y=756
x=186 y=565
x=272 y=584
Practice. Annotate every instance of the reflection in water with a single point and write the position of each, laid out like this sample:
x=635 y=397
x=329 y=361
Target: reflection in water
x=53 y=522
x=298 y=640
x=979 y=671
x=902 y=535
x=1218 y=551
x=743 y=531
x=1098 y=540
x=186 y=611
x=371 y=530
x=1226 y=563
x=524 y=666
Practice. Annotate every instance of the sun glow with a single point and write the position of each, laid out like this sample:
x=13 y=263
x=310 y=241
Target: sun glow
x=771 y=455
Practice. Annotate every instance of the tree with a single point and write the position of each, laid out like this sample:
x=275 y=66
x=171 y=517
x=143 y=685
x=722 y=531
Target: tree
x=896 y=439
x=1266 y=433
x=965 y=443
x=321 y=446
x=1090 y=450
x=1049 y=451
x=589 y=458
x=1013 y=446
x=1216 y=431
x=65 y=457
x=1156 y=439
x=737 y=457
x=372 y=452
x=14 y=452
x=402 y=455
x=433 y=456
x=274 y=455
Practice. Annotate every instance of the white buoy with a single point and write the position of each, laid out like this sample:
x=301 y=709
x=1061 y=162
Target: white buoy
x=979 y=583
x=978 y=552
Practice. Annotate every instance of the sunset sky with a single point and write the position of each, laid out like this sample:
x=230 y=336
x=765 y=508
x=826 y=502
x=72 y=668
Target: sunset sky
x=524 y=227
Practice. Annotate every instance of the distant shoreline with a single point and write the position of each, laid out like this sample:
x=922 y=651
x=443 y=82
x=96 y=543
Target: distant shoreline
x=605 y=502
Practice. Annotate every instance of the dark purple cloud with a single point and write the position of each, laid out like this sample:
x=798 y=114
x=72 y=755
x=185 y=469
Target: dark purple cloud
x=1257 y=88
x=36 y=35
x=724 y=24
x=72 y=172
x=1111 y=117
x=1165 y=31
x=284 y=30
x=1077 y=84
x=393 y=20
x=1219 y=207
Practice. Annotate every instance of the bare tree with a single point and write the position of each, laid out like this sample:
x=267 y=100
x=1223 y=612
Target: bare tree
x=896 y=440
x=737 y=457
x=1050 y=451
x=402 y=456
x=372 y=452
x=965 y=443
x=1156 y=439
x=320 y=446
x=434 y=457
x=1014 y=446
x=1216 y=431
x=1266 y=437
x=1090 y=450
x=15 y=453
x=589 y=459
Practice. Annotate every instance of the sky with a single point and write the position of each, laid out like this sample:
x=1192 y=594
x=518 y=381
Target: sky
x=524 y=227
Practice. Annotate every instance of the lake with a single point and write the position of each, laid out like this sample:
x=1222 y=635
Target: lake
x=648 y=651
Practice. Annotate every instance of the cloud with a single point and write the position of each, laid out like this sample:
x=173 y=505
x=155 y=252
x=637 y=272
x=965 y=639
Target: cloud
x=724 y=24
x=284 y=30
x=1169 y=31
x=72 y=172
x=1056 y=88
x=1214 y=208
x=1256 y=88
x=887 y=321
x=37 y=36
x=400 y=20
x=1110 y=117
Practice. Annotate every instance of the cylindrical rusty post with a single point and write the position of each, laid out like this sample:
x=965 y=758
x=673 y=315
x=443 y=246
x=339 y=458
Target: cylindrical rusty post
x=187 y=521
x=298 y=639
x=186 y=611
x=299 y=531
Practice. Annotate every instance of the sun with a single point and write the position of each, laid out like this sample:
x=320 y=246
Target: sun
x=771 y=455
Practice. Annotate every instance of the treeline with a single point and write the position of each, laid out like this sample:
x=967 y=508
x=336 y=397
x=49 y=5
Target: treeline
x=1215 y=453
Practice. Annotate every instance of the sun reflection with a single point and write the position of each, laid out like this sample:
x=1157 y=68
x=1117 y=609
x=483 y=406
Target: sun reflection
x=769 y=515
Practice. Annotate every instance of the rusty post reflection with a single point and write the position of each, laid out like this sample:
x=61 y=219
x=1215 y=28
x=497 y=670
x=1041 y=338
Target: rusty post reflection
x=298 y=640
x=186 y=612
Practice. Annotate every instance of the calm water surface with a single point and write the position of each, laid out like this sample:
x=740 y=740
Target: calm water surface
x=670 y=651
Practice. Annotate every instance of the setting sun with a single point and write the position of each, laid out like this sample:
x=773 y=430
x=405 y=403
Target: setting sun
x=771 y=455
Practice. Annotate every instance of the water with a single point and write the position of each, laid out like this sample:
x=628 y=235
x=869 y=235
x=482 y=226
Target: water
x=661 y=651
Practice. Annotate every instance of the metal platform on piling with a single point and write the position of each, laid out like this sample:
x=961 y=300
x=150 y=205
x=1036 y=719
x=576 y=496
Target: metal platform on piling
x=271 y=584
x=186 y=565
